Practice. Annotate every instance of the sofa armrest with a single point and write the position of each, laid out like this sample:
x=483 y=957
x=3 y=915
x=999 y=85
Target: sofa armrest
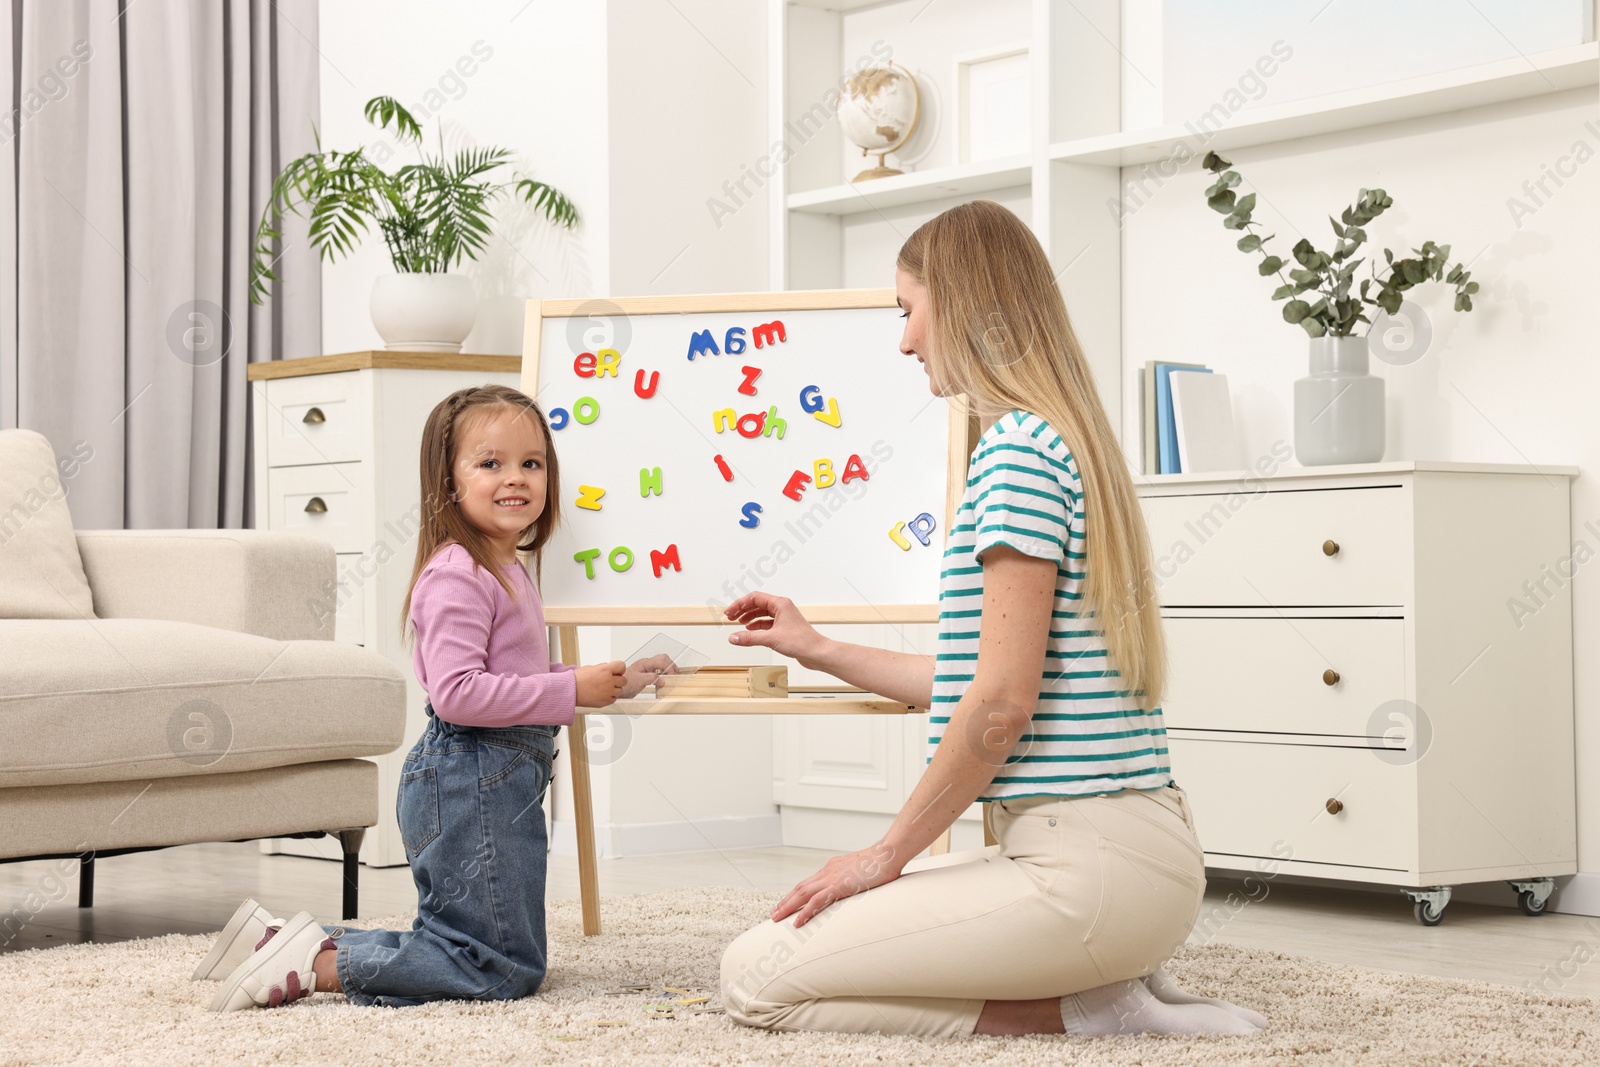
x=271 y=584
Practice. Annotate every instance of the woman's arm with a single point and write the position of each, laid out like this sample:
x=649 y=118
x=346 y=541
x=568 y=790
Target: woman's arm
x=774 y=622
x=984 y=727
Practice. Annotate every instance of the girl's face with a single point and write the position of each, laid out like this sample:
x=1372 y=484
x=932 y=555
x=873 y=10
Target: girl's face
x=912 y=296
x=499 y=475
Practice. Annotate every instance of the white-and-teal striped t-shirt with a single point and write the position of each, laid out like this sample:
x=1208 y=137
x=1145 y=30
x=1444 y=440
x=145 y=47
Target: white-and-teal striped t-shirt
x=1087 y=736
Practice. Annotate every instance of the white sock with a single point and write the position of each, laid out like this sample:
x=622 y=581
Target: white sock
x=1129 y=1008
x=1168 y=991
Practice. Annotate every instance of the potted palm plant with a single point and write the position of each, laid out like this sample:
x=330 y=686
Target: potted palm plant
x=432 y=214
x=1339 y=408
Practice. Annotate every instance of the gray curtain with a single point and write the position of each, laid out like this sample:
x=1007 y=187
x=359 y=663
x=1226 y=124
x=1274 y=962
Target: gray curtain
x=138 y=147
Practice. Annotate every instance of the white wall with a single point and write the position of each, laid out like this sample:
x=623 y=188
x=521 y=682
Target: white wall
x=540 y=93
x=1514 y=381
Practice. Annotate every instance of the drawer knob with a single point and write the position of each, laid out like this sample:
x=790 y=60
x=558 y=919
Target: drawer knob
x=316 y=506
x=1330 y=677
x=1330 y=548
x=1334 y=805
x=315 y=415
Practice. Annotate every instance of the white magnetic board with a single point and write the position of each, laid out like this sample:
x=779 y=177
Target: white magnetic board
x=833 y=486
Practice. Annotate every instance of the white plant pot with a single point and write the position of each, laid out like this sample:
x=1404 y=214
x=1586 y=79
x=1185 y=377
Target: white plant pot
x=426 y=312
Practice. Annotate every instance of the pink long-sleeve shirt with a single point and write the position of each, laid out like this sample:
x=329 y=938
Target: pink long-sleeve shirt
x=482 y=657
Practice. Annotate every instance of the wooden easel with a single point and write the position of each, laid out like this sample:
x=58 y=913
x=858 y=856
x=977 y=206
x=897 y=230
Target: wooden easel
x=564 y=620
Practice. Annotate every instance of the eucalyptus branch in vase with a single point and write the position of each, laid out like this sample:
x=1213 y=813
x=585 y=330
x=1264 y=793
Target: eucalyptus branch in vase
x=1330 y=276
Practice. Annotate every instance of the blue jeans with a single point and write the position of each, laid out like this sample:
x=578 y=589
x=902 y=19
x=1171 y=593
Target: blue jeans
x=473 y=826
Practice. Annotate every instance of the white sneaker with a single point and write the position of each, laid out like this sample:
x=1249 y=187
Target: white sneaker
x=279 y=972
x=247 y=931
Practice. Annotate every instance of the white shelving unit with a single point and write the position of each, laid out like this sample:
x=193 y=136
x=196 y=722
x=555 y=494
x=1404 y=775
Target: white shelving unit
x=837 y=786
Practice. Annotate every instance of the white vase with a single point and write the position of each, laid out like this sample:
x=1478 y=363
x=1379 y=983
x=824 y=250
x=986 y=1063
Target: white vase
x=1339 y=408
x=426 y=312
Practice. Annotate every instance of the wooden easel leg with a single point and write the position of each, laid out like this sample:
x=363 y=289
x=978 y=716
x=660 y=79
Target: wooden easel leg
x=988 y=828
x=582 y=798
x=941 y=844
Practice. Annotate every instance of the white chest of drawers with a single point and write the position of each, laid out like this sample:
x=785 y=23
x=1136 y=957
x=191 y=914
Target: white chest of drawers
x=337 y=442
x=1371 y=671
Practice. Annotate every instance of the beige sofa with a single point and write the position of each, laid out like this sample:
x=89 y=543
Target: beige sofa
x=167 y=687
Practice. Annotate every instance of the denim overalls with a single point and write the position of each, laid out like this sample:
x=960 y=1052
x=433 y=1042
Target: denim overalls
x=471 y=816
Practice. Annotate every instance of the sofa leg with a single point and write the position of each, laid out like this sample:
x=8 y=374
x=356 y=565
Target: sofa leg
x=350 y=841
x=86 y=881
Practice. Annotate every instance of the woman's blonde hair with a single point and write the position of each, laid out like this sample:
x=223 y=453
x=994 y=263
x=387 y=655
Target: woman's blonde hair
x=998 y=333
x=442 y=520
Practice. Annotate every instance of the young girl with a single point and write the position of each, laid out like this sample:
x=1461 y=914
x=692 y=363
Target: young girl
x=1045 y=701
x=471 y=789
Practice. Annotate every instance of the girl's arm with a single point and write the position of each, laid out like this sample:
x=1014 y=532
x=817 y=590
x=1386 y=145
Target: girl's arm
x=774 y=622
x=1018 y=595
x=452 y=612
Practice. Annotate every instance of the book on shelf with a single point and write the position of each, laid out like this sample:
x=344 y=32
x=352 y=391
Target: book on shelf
x=1202 y=415
x=1160 y=438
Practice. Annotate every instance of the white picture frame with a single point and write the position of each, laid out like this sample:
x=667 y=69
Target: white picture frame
x=993 y=105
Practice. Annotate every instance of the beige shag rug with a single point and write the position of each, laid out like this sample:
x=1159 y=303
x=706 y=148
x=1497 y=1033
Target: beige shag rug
x=132 y=1003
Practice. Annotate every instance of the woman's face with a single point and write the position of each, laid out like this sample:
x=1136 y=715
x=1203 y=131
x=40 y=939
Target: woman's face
x=912 y=296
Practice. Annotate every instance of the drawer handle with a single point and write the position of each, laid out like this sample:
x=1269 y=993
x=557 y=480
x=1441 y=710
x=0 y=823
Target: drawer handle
x=315 y=415
x=1330 y=548
x=1334 y=805
x=1330 y=677
x=316 y=506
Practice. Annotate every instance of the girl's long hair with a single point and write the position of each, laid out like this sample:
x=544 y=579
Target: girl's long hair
x=999 y=333
x=442 y=520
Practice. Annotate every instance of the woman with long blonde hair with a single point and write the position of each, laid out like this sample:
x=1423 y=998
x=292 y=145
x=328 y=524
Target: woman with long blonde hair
x=1045 y=705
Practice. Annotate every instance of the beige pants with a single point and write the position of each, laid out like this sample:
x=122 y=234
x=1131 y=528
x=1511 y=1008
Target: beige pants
x=1077 y=893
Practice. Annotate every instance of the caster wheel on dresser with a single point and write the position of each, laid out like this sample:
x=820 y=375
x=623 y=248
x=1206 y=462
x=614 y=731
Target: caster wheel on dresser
x=1530 y=904
x=1426 y=915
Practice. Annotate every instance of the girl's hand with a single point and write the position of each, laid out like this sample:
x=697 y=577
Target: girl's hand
x=644 y=672
x=774 y=622
x=599 y=684
x=842 y=876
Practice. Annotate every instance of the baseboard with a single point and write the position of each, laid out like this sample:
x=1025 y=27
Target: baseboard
x=1577 y=895
x=615 y=840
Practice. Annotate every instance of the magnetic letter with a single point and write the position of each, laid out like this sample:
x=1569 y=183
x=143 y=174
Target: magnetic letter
x=832 y=417
x=853 y=469
x=775 y=423
x=811 y=400
x=645 y=392
x=921 y=527
x=757 y=421
x=897 y=538
x=609 y=359
x=797 y=484
x=723 y=419
x=586 y=557
x=722 y=465
x=734 y=336
x=765 y=333
x=583 y=366
x=586 y=409
x=659 y=561
x=649 y=481
x=823 y=470
x=589 y=497
x=627 y=558
x=558 y=418
x=752 y=515
x=702 y=342
x=750 y=376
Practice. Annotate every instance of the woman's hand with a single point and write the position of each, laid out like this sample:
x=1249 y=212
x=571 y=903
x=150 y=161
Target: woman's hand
x=774 y=622
x=599 y=684
x=644 y=672
x=842 y=876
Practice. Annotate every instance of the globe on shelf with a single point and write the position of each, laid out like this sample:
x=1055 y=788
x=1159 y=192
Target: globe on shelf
x=878 y=113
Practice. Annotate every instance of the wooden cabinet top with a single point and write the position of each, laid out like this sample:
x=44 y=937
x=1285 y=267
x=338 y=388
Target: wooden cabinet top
x=295 y=368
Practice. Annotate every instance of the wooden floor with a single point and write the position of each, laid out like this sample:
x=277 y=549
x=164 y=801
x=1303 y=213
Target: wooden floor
x=194 y=889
